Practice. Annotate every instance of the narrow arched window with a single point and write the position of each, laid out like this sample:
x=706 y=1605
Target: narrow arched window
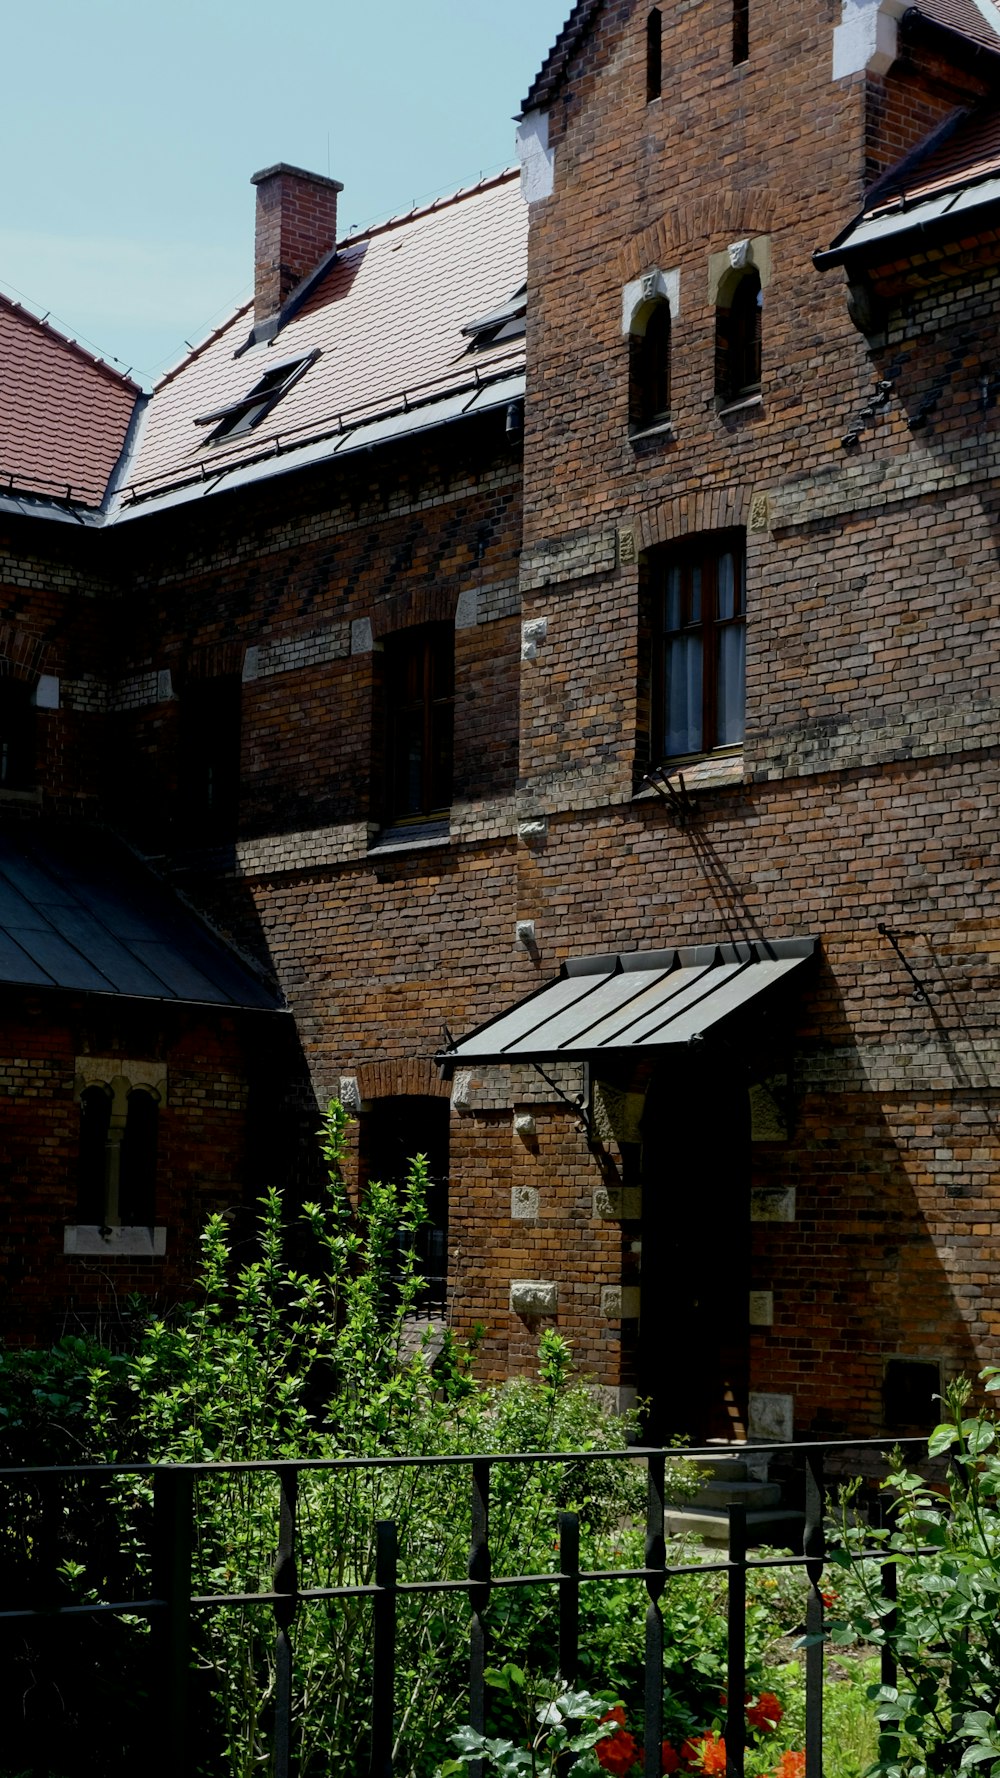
x=92 y=1175
x=137 y=1177
x=649 y=368
x=738 y=339
x=741 y=31
x=654 y=55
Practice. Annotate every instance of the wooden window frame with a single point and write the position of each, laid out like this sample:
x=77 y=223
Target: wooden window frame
x=704 y=552
x=428 y=651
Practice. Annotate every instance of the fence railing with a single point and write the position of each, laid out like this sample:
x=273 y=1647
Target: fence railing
x=171 y=1602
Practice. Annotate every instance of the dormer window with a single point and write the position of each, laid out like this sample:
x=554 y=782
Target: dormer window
x=495 y=329
x=241 y=416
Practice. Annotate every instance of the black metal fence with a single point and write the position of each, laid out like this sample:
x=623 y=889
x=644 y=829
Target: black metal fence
x=171 y=1603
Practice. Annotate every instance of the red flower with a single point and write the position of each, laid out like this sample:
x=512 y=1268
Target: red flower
x=765 y=1714
x=617 y=1715
x=670 y=1759
x=791 y=1765
x=617 y=1754
x=706 y=1753
x=829 y=1598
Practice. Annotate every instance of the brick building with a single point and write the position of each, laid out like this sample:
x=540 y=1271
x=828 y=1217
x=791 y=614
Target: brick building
x=617 y=826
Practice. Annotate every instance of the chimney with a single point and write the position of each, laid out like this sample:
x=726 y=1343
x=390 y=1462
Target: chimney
x=296 y=228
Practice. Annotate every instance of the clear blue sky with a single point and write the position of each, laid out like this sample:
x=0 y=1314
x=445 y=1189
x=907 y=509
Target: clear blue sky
x=129 y=130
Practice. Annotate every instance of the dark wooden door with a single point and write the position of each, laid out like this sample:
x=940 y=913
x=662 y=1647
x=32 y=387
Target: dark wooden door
x=693 y=1332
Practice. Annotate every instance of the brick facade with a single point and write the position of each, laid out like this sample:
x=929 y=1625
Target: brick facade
x=835 y=1157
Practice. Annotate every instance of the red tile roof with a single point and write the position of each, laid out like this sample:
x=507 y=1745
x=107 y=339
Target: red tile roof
x=950 y=160
x=385 y=321
x=63 y=414
x=963 y=16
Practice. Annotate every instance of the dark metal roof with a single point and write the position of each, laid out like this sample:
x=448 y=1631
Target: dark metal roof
x=555 y=66
x=633 y=1000
x=78 y=911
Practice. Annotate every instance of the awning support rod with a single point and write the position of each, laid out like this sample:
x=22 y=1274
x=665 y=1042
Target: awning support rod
x=579 y=1104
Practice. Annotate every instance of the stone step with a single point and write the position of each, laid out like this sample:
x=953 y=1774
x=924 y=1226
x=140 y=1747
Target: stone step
x=777 y=1525
x=728 y=1469
x=755 y=1496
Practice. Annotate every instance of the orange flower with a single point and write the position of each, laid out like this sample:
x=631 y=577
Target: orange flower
x=791 y=1765
x=829 y=1598
x=765 y=1714
x=617 y=1754
x=706 y=1753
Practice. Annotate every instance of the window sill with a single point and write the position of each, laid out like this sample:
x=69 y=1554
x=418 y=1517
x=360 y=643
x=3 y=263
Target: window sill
x=90 y=1241
x=665 y=429
x=32 y=795
x=411 y=838
x=745 y=405
x=713 y=771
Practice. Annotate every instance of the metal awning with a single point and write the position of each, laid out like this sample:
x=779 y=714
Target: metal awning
x=633 y=1000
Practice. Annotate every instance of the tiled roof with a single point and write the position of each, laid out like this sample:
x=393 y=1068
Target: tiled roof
x=963 y=16
x=79 y=912
x=956 y=157
x=63 y=414
x=385 y=323
x=553 y=70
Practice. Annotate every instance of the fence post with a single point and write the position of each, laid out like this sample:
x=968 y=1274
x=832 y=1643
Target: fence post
x=285 y=1582
x=479 y=1598
x=569 y=1596
x=888 y=1673
x=173 y=1496
x=656 y=1558
x=814 y=1549
x=384 y=1649
x=736 y=1649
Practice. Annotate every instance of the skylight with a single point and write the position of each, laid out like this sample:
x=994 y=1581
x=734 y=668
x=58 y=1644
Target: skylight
x=241 y=416
x=503 y=324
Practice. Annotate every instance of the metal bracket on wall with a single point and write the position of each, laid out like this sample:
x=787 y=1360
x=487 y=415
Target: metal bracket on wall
x=919 y=991
x=869 y=413
x=681 y=804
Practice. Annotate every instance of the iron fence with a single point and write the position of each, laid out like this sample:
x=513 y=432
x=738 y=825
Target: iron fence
x=171 y=1602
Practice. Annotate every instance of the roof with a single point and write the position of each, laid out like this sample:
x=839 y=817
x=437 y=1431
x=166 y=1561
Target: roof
x=634 y=1000
x=965 y=18
x=64 y=415
x=384 y=327
x=80 y=912
x=953 y=175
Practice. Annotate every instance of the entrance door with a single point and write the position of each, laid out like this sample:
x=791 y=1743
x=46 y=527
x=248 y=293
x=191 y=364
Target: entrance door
x=693 y=1334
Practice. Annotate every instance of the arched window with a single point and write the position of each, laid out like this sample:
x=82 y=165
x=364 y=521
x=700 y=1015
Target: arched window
x=654 y=55
x=741 y=31
x=95 y=1122
x=137 y=1170
x=649 y=367
x=699 y=615
x=738 y=338
x=116 y=1178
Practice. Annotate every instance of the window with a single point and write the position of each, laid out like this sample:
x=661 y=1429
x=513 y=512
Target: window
x=392 y=1132
x=699 y=604
x=420 y=702
x=654 y=55
x=741 y=31
x=243 y=415
x=738 y=338
x=117 y=1165
x=649 y=368
x=17 y=734
x=210 y=764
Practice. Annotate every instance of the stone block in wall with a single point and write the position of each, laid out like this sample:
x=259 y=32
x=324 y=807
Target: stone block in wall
x=618 y=1203
x=761 y=1308
x=771 y=1417
x=533 y=1296
x=524 y=1203
x=772 y=1204
x=620 y=1302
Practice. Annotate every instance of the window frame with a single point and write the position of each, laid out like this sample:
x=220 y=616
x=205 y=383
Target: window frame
x=739 y=337
x=650 y=367
x=704 y=551
x=422 y=647
x=241 y=416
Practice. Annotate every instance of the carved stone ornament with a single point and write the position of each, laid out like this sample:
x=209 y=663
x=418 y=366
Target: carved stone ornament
x=533 y=1296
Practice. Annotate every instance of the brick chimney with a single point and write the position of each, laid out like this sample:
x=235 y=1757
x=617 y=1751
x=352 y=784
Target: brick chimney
x=296 y=227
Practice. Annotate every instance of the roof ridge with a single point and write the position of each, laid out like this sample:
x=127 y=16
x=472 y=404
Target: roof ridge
x=422 y=210
x=45 y=326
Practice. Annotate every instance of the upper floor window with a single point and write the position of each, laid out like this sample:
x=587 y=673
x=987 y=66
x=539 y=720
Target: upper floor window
x=649 y=368
x=210 y=764
x=117 y=1162
x=654 y=55
x=420 y=706
x=699 y=646
x=17 y=734
x=738 y=336
x=741 y=31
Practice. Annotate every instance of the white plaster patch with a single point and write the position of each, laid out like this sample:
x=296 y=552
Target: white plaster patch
x=47 y=692
x=867 y=38
x=538 y=160
x=652 y=285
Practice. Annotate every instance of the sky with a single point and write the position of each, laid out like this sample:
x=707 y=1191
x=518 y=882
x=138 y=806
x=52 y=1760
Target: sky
x=130 y=129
